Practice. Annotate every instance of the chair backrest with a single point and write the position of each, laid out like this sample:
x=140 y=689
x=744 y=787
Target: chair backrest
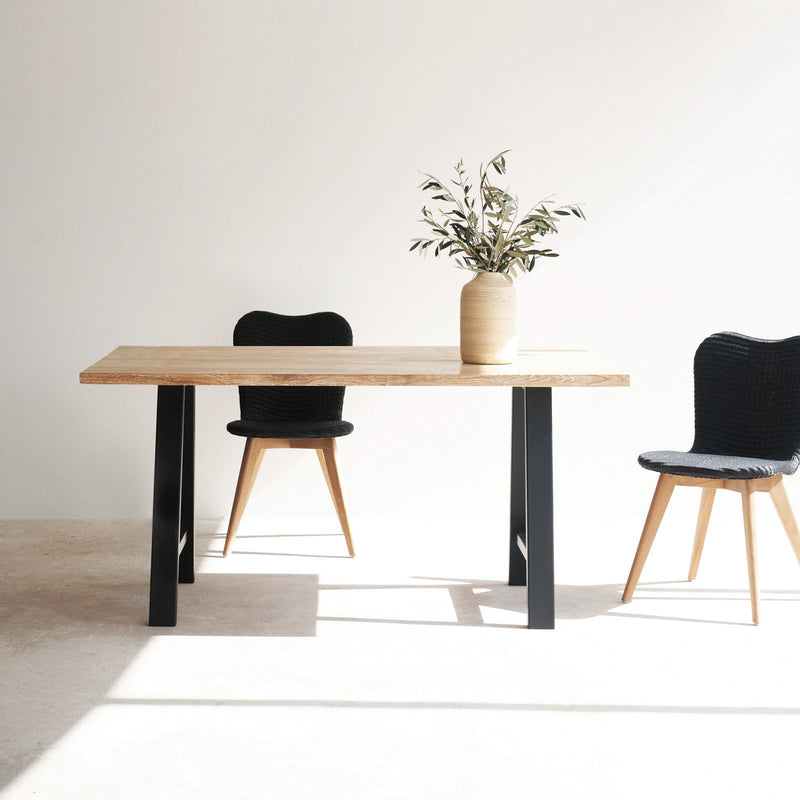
x=291 y=402
x=747 y=397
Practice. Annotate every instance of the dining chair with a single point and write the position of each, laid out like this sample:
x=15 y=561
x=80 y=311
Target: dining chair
x=297 y=417
x=747 y=437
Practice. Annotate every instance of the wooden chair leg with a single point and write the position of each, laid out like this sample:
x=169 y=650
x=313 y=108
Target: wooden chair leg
x=750 y=543
x=781 y=502
x=706 y=502
x=251 y=461
x=327 y=460
x=658 y=506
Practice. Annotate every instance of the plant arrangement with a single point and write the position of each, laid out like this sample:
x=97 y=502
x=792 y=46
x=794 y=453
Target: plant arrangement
x=482 y=230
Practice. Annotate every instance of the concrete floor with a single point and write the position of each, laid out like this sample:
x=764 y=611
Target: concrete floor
x=406 y=672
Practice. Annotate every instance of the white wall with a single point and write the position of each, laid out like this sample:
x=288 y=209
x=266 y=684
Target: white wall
x=166 y=166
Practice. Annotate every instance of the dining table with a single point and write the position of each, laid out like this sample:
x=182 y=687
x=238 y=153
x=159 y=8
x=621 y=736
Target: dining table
x=177 y=370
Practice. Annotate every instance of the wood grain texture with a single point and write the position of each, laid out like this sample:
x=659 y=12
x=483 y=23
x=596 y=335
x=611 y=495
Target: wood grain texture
x=343 y=366
x=254 y=450
x=704 y=515
x=330 y=469
x=666 y=483
x=658 y=505
x=757 y=485
x=781 y=501
x=748 y=512
x=251 y=463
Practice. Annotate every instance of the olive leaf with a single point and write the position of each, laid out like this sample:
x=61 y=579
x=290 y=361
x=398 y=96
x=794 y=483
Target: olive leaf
x=492 y=239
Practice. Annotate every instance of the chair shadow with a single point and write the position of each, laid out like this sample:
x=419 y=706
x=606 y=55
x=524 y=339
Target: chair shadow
x=241 y=538
x=472 y=598
x=572 y=602
x=699 y=594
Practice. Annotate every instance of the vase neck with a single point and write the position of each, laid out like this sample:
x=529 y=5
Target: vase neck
x=492 y=279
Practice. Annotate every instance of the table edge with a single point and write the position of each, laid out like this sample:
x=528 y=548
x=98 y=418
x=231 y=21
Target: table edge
x=232 y=379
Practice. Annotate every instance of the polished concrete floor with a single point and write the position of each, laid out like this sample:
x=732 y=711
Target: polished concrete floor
x=295 y=672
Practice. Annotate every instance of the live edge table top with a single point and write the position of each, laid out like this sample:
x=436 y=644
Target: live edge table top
x=343 y=366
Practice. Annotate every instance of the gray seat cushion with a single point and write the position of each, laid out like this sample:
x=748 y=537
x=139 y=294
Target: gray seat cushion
x=705 y=465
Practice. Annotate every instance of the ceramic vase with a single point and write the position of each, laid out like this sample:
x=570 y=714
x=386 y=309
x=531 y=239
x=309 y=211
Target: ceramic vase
x=488 y=320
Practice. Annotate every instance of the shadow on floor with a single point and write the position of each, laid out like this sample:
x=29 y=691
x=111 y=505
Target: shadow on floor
x=74 y=605
x=73 y=613
x=472 y=598
x=73 y=617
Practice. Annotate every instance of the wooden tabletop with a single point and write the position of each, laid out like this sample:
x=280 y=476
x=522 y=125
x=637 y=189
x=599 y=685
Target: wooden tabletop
x=343 y=366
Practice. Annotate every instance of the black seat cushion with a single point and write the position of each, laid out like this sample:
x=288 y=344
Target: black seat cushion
x=290 y=429
x=706 y=465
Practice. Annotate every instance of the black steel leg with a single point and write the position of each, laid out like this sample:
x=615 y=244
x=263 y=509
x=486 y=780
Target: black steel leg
x=531 y=528
x=517 y=571
x=186 y=558
x=167 y=492
x=539 y=502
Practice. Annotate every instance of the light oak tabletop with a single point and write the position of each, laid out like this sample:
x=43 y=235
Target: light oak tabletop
x=344 y=366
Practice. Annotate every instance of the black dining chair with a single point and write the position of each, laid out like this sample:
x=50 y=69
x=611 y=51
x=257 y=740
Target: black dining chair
x=305 y=417
x=747 y=437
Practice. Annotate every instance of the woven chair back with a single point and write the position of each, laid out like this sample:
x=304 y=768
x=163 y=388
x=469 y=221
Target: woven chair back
x=291 y=403
x=747 y=397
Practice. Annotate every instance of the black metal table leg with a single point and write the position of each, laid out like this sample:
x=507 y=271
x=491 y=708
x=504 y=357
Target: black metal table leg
x=517 y=571
x=539 y=506
x=167 y=495
x=186 y=556
x=532 y=501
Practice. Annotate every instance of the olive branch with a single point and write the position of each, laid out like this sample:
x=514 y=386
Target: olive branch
x=493 y=238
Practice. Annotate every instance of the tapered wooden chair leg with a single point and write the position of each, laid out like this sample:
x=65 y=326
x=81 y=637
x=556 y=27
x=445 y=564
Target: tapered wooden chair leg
x=658 y=506
x=750 y=544
x=251 y=461
x=327 y=460
x=706 y=502
x=781 y=501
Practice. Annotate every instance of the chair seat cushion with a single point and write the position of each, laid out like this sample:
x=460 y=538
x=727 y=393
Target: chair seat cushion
x=706 y=465
x=290 y=429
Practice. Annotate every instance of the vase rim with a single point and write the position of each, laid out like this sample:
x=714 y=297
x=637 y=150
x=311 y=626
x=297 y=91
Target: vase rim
x=502 y=275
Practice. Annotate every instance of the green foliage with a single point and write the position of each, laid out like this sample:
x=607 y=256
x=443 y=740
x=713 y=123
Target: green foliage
x=491 y=237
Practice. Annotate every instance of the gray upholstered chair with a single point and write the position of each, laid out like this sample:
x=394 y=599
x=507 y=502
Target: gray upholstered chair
x=747 y=437
x=306 y=417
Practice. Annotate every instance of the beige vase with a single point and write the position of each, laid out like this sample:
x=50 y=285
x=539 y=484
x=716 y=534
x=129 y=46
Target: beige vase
x=488 y=320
